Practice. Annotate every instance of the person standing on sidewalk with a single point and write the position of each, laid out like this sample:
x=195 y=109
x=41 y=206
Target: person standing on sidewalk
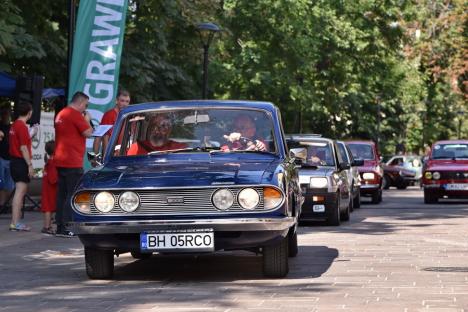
x=20 y=163
x=109 y=118
x=49 y=188
x=72 y=127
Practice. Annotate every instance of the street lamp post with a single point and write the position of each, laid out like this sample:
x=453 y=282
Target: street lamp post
x=460 y=118
x=206 y=32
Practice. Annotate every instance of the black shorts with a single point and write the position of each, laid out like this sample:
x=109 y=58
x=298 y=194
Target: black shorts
x=19 y=170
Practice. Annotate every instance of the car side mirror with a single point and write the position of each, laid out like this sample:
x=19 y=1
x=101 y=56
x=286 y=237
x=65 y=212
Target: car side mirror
x=94 y=159
x=344 y=165
x=298 y=154
x=357 y=162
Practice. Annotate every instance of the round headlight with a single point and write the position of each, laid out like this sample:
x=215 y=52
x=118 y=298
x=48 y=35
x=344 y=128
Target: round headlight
x=104 y=201
x=436 y=175
x=318 y=182
x=368 y=176
x=428 y=175
x=129 y=201
x=248 y=198
x=223 y=199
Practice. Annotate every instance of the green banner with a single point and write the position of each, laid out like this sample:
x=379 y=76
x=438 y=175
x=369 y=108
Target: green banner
x=97 y=50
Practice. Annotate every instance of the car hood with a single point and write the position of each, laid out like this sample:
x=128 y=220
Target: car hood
x=319 y=172
x=180 y=174
x=447 y=165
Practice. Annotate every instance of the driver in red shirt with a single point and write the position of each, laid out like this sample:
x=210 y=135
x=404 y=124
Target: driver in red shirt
x=157 y=137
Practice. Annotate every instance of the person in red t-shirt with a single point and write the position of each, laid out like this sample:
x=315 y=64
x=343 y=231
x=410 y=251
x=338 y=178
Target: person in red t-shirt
x=49 y=188
x=20 y=163
x=72 y=127
x=157 y=137
x=109 y=118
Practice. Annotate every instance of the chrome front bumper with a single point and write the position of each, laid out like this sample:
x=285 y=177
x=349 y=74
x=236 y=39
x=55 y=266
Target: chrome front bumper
x=126 y=227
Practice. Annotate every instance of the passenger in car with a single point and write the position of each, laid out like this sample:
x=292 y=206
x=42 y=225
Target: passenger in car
x=157 y=137
x=244 y=136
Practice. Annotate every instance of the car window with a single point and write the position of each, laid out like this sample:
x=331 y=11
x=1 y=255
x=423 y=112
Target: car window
x=450 y=151
x=397 y=161
x=364 y=151
x=344 y=155
x=169 y=131
x=319 y=153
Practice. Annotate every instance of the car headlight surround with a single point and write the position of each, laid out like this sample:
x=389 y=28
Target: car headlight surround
x=428 y=175
x=104 y=201
x=222 y=199
x=272 y=197
x=436 y=175
x=248 y=198
x=129 y=201
x=318 y=182
x=368 y=176
x=82 y=202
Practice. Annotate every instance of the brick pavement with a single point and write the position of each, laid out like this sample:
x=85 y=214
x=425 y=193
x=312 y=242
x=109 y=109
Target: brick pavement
x=401 y=255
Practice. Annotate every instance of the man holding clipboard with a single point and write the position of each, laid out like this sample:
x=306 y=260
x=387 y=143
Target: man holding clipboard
x=109 y=118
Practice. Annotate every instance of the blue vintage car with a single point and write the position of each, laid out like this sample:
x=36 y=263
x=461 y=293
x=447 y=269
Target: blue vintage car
x=191 y=177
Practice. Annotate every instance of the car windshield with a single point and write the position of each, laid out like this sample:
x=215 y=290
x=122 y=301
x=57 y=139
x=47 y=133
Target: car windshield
x=195 y=130
x=319 y=153
x=450 y=151
x=364 y=151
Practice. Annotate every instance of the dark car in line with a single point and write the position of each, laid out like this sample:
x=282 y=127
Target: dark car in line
x=183 y=177
x=324 y=180
x=402 y=171
x=371 y=171
x=445 y=172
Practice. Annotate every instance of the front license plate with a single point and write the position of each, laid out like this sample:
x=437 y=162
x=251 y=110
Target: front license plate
x=456 y=187
x=318 y=208
x=183 y=241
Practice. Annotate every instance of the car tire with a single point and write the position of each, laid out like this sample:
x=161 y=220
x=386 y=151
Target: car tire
x=376 y=197
x=386 y=182
x=344 y=216
x=99 y=263
x=430 y=198
x=275 y=259
x=334 y=218
x=357 y=200
x=293 y=249
x=140 y=255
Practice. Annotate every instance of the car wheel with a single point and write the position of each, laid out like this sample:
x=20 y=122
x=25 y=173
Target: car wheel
x=99 y=263
x=334 y=218
x=140 y=255
x=430 y=198
x=357 y=200
x=344 y=216
x=376 y=197
x=386 y=182
x=275 y=259
x=292 y=243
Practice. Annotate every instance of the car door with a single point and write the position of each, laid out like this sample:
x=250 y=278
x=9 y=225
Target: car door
x=345 y=186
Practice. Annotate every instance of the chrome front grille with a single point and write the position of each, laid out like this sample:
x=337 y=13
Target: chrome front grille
x=195 y=201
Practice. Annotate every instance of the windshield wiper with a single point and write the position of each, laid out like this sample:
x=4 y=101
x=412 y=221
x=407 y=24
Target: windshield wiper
x=187 y=149
x=247 y=151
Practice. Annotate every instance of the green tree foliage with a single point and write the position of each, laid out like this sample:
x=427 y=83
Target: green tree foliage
x=346 y=69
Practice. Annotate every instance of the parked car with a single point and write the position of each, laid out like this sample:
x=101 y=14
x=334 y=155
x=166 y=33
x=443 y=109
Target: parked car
x=401 y=171
x=354 y=178
x=324 y=180
x=445 y=173
x=186 y=177
x=372 y=171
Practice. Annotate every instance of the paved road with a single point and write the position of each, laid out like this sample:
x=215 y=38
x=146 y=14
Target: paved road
x=400 y=255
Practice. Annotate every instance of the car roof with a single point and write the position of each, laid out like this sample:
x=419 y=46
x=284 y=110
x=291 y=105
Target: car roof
x=200 y=103
x=451 y=142
x=360 y=142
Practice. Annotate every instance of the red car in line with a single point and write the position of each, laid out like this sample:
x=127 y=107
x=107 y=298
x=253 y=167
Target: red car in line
x=445 y=172
x=372 y=171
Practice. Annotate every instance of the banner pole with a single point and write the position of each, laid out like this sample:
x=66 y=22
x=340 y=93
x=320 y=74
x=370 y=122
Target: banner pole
x=71 y=32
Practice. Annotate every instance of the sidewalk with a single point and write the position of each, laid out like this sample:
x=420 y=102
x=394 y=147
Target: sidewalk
x=31 y=218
